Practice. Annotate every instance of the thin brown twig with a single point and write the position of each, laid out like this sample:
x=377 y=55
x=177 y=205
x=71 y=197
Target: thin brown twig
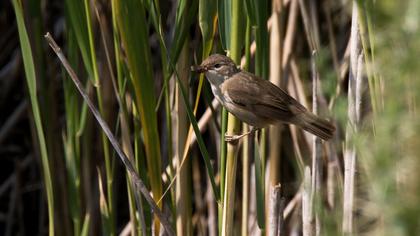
x=138 y=183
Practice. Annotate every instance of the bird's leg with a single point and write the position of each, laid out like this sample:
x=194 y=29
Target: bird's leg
x=235 y=137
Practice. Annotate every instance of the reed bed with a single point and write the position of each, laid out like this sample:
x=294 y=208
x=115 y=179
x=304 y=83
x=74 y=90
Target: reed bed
x=111 y=133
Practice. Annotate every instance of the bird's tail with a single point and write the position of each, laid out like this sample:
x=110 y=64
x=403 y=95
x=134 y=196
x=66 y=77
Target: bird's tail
x=315 y=125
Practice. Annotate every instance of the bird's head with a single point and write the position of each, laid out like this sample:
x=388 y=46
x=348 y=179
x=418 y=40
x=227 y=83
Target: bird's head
x=217 y=67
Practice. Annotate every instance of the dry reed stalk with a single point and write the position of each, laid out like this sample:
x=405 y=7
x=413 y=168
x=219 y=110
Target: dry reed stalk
x=316 y=149
x=353 y=110
x=183 y=189
x=276 y=51
x=307 y=220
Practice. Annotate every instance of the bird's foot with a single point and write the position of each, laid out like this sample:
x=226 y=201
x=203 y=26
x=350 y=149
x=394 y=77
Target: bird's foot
x=235 y=137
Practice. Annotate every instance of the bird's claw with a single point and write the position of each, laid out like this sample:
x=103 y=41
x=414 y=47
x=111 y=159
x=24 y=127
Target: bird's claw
x=231 y=138
x=235 y=137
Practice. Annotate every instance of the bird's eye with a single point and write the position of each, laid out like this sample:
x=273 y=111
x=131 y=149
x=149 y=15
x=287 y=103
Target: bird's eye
x=217 y=66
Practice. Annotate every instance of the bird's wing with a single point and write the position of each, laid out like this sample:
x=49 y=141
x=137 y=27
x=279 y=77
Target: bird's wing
x=261 y=97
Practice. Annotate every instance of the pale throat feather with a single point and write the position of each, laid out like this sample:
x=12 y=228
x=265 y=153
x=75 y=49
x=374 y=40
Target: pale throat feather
x=215 y=82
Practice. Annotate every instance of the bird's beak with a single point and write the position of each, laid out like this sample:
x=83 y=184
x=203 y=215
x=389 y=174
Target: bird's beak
x=198 y=69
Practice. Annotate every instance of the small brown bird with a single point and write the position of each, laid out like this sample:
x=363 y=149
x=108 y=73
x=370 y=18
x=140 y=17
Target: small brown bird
x=256 y=101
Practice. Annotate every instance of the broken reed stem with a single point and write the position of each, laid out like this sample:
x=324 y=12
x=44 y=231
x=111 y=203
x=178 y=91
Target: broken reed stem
x=274 y=211
x=307 y=227
x=281 y=229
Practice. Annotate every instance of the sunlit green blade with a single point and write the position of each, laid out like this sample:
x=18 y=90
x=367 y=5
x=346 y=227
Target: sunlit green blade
x=225 y=14
x=77 y=16
x=28 y=62
x=130 y=17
